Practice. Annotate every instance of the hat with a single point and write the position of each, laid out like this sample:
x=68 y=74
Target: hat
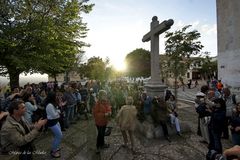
x=200 y=94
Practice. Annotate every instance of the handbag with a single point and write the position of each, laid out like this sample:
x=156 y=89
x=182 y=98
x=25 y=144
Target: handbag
x=108 y=131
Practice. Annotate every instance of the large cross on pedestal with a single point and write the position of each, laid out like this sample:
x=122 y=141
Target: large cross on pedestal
x=155 y=85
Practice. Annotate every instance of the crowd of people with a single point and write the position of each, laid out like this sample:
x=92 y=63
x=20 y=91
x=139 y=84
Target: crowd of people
x=28 y=111
x=218 y=118
x=48 y=106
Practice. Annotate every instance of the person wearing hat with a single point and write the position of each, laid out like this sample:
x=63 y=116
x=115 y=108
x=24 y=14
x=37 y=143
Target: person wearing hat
x=202 y=105
x=101 y=113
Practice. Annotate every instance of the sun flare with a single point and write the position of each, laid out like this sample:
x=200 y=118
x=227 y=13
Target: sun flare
x=119 y=66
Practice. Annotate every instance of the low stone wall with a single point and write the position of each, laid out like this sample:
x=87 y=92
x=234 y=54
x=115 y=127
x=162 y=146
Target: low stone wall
x=148 y=130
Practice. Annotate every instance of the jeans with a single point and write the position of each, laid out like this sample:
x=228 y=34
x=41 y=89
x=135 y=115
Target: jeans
x=57 y=133
x=174 y=120
x=215 y=140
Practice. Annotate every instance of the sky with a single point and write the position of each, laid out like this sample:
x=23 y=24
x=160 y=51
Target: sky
x=116 y=27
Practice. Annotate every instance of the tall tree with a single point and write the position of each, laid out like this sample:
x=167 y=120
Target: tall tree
x=138 y=63
x=40 y=36
x=208 y=66
x=179 y=46
x=95 y=68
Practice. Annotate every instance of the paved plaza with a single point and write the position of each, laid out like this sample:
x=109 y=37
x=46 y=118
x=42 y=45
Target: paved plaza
x=79 y=141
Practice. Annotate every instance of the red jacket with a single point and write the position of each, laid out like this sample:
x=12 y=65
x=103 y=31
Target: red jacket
x=99 y=111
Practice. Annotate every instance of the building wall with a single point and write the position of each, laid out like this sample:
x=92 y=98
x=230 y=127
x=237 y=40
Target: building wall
x=228 y=29
x=73 y=76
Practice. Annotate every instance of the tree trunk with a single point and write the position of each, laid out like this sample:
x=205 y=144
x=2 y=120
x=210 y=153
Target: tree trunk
x=14 y=77
x=55 y=78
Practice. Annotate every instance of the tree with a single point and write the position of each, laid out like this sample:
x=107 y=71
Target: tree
x=208 y=67
x=40 y=36
x=95 y=68
x=138 y=63
x=180 y=46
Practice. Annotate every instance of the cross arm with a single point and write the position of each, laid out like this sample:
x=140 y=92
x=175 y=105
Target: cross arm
x=146 y=37
x=164 y=26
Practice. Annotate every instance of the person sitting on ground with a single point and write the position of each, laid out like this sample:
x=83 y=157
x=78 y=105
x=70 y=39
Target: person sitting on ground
x=16 y=134
x=173 y=113
x=101 y=113
x=159 y=114
x=126 y=120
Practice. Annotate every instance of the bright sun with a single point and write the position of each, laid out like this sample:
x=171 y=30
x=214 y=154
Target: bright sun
x=119 y=66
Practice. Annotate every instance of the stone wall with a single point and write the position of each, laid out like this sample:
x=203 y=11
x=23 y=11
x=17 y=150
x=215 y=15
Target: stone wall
x=228 y=25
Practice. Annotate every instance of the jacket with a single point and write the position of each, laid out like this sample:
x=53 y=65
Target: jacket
x=13 y=135
x=99 y=111
x=127 y=117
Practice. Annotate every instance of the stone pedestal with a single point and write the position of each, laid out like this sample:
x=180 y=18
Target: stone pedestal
x=148 y=130
x=155 y=89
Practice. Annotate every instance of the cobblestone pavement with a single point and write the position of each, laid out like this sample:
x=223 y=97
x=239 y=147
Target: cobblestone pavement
x=79 y=143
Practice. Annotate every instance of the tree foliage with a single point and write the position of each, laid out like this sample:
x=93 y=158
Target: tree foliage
x=208 y=67
x=40 y=35
x=95 y=68
x=179 y=47
x=138 y=63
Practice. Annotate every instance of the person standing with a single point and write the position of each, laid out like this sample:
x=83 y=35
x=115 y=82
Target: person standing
x=215 y=126
x=189 y=83
x=126 y=120
x=53 y=115
x=231 y=101
x=92 y=100
x=16 y=134
x=101 y=113
x=31 y=106
x=235 y=125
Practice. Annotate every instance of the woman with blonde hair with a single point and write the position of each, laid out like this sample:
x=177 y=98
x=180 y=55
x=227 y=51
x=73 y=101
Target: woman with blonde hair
x=126 y=120
x=101 y=113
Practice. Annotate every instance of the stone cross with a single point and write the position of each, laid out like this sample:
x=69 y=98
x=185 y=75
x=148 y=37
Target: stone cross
x=153 y=36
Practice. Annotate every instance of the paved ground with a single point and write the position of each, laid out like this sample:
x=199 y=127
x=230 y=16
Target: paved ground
x=79 y=142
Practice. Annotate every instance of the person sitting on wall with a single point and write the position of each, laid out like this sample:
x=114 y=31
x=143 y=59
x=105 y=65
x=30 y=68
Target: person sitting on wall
x=159 y=114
